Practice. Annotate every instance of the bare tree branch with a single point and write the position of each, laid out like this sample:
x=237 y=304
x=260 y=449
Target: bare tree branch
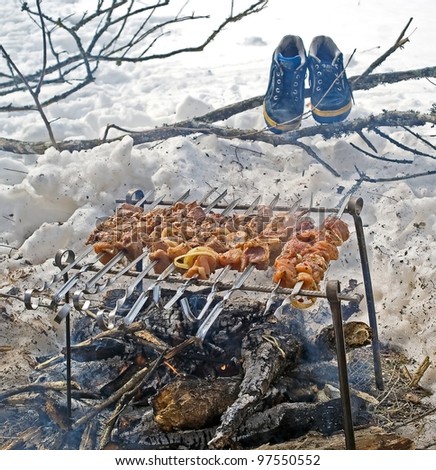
x=118 y=49
x=389 y=119
x=34 y=93
x=109 y=43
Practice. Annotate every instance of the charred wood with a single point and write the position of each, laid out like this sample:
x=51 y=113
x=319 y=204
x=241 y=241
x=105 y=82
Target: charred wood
x=356 y=334
x=277 y=424
x=291 y=389
x=22 y=440
x=102 y=348
x=191 y=403
x=370 y=438
x=266 y=351
x=37 y=387
x=290 y=420
x=88 y=440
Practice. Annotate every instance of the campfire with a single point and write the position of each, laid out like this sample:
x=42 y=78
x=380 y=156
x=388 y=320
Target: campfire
x=187 y=328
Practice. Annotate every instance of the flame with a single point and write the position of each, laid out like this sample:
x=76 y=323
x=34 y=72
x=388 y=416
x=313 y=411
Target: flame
x=172 y=368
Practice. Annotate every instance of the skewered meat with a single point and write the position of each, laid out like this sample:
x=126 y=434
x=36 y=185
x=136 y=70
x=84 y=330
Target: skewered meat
x=162 y=260
x=198 y=243
x=200 y=261
x=187 y=225
x=305 y=257
x=255 y=252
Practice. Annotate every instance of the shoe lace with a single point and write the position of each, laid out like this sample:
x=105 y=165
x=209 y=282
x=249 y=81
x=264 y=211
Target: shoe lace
x=287 y=84
x=330 y=77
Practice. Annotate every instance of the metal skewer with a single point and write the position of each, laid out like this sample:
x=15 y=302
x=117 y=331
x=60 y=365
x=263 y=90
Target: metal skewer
x=252 y=207
x=219 y=307
x=271 y=298
x=213 y=292
x=144 y=296
x=343 y=206
x=179 y=293
x=106 y=320
x=288 y=300
x=78 y=294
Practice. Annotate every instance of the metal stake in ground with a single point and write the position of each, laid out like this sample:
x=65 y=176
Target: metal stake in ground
x=332 y=292
x=354 y=208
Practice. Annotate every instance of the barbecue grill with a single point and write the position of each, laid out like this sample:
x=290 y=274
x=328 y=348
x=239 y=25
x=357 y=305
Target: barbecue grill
x=82 y=280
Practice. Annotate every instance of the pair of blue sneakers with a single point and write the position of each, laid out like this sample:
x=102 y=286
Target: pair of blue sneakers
x=330 y=93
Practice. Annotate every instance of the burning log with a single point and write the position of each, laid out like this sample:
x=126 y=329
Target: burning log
x=192 y=403
x=356 y=334
x=278 y=423
x=290 y=420
x=266 y=350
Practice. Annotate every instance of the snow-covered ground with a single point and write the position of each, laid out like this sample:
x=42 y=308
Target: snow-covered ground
x=52 y=201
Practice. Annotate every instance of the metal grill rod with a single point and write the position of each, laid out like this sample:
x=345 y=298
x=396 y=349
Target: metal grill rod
x=354 y=208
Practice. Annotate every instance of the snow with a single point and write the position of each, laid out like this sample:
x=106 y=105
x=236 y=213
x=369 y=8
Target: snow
x=53 y=201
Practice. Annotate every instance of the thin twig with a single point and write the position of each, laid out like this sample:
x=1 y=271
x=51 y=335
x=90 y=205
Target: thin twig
x=419 y=137
x=309 y=150
x=44 y=49
x=398 y=43
x=378 y=157
x=366 y=140
x=400 y=145
x=33 y=95
x=417 y=376
x=368 y=179
x=416 y=418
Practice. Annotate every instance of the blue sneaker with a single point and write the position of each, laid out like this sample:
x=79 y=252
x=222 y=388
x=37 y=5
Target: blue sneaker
x=283 y=104
x=330 y=93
